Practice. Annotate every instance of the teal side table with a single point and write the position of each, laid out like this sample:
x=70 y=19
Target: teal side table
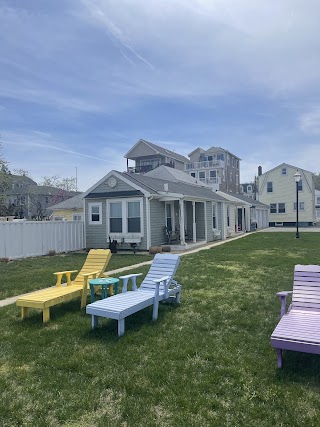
x=110 y=283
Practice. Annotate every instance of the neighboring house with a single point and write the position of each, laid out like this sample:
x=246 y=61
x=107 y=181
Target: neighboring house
x=33 y=201
x=148 y=156
x=277 y=189
x=137 y=209
x=248 y=189
x=251 y=214
x=217 y=167
x=70 y=209
x=317 y=205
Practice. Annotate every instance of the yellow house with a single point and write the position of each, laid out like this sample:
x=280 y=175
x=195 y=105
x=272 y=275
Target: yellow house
x=68 y=210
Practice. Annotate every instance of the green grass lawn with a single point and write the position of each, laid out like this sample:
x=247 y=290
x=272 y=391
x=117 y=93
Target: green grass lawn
x=207 y=362
x=28 y=274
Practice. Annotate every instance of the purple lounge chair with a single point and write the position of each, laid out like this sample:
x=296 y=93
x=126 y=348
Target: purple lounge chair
x=299 y=328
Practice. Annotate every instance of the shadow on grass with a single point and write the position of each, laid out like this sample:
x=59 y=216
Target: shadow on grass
x=137 y=323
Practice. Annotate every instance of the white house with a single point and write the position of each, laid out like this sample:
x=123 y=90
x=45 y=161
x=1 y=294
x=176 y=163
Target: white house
x=278 y=189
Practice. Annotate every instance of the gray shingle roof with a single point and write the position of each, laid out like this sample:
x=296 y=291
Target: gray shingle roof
x=75 y=202
x=156 y=185
x=161 y=150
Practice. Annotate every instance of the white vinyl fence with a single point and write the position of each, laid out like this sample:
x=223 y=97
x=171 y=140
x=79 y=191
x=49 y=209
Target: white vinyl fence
x=32 y=238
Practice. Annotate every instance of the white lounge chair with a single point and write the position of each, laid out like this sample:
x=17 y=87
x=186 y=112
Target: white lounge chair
x=158 y=285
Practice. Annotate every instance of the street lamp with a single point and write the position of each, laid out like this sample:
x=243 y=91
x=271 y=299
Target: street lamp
x=297 y=178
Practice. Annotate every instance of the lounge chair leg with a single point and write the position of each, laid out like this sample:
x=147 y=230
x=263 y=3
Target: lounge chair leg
x=155 y=309
x=178 y=297
x=46 y=315
x=94 y=321
x=120 y=327
x=24 y=312
x=279 y=354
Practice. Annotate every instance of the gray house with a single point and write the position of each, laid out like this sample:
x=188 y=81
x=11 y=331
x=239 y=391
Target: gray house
x=148 y=156
x=146 y=210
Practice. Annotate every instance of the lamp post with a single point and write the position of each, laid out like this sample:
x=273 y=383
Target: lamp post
x=297 y=178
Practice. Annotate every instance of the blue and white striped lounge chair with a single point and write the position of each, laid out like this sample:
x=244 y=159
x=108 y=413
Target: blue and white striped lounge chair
x=158 y=285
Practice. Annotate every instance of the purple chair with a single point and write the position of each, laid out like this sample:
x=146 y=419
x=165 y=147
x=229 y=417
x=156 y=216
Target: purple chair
x=299 y=328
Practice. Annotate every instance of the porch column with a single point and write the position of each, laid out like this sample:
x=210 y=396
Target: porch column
x=182 y=237
x=194 y=225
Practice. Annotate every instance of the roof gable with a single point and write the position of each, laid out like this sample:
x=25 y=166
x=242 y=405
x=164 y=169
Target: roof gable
x=146 y=148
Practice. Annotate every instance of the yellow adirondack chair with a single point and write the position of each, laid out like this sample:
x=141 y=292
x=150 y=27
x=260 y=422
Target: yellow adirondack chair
x=93 y=267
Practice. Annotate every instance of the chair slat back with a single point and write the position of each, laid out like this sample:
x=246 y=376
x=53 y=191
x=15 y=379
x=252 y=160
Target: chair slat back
x=96 y=260
x=306 y=289
x=162 y=265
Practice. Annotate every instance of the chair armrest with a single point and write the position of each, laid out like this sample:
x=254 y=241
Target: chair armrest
x=165 y=280
x=92 y=275
x=60 y=274
x=283 y=298
x=133 y=278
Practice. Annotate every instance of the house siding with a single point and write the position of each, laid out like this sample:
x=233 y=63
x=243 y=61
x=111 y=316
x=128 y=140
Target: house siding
x=200 y=221
x=157 y=220
x=209 y=221
x=120 y=186
x=96 y=236
x=284 y=191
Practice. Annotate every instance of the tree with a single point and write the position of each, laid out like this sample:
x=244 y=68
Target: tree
x=5 y=184
x=66 y=184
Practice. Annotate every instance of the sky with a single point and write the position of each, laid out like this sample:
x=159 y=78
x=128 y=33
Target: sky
x=81 y=81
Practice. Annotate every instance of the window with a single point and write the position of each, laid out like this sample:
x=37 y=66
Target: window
x=237 y=164
x=125 y=216
x=214 y=213
x=193 y=174
x=318 y=200
x=210 y=158
x=220 y=157
x=168 y=217
x=249 y=188
x=115 y=217
x=231 y=176
x=284 y=171
x=202 y=176
x=213 y=176
x=134 y=217
x=77 y=217
x=301 y=206
x=95 y=213
x=277 y=208
x=228 y=159
x=300 y=185
x=233 y=162
x=273 y=208
x=228 y=216
x=269 y=187
x=223 y=174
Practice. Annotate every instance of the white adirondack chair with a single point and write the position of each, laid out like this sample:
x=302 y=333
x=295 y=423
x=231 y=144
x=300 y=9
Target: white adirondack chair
x=158 y=285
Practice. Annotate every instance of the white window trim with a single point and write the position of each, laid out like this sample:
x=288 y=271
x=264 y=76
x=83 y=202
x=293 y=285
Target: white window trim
x=90 y=206
x=125 y=231
x=77 y=214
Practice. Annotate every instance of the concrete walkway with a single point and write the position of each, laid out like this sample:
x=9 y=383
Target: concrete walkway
x=12 y=300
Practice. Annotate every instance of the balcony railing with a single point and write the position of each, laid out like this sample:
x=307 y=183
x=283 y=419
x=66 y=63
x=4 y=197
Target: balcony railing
x=146 y=168
x=204 y=165
x=210 y=180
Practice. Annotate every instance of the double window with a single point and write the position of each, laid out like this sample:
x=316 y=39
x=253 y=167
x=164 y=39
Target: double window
x=125 y=216
x=277 y=208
